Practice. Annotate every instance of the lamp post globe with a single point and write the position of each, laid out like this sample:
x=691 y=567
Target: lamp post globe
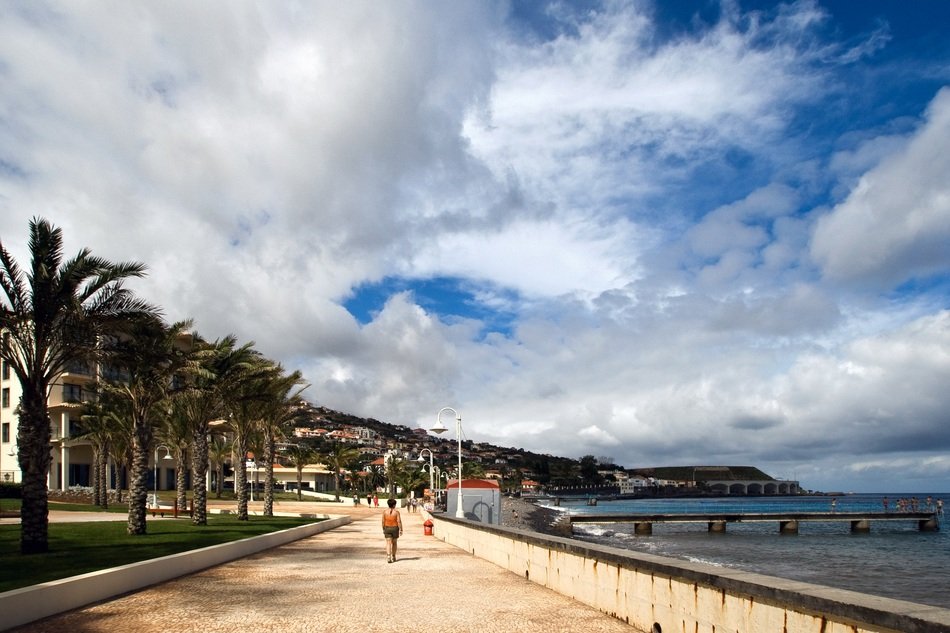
x=168 y=456
x=431 y=466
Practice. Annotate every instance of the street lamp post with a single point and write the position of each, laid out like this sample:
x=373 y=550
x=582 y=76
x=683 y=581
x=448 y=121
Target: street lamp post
x=168 y=455
x=431 y=476
x=439 y=428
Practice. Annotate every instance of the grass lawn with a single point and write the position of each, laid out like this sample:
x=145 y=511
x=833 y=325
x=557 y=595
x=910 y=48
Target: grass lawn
x=78 y=548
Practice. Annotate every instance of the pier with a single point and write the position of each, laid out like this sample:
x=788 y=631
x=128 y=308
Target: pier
x=787 y=522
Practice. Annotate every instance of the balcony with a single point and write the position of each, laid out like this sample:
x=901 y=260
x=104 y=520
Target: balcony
x=69 y=395
x=79 y=372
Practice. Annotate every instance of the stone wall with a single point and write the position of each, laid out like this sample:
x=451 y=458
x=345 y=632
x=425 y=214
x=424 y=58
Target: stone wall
x=658 y=594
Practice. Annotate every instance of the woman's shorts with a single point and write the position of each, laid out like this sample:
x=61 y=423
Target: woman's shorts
x=391 y=531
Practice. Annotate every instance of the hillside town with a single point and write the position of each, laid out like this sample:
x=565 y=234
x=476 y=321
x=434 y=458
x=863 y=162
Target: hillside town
x=516 y=470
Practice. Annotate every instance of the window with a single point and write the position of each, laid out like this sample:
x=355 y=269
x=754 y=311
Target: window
x=5 y=433
x=72 y=393
x=6 y=370
x=6 y=398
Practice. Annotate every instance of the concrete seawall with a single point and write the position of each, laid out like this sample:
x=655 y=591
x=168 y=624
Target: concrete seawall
x=658 y=594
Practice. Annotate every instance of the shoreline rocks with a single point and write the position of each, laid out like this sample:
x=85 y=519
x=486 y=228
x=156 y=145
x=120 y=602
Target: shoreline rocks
x=524 y=515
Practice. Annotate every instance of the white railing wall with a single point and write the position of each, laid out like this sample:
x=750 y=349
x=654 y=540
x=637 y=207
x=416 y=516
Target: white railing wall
x=657 y=594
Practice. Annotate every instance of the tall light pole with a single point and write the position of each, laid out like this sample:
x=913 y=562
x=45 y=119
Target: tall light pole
x=431 y=476
x=439 y=428
x=168 y=455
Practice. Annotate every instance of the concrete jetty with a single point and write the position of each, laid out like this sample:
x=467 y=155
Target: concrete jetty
x=788 y=522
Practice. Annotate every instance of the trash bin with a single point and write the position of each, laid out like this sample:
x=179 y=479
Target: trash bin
x=427 y=527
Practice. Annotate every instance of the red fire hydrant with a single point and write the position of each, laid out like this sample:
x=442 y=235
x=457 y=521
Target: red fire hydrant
x=427 y=527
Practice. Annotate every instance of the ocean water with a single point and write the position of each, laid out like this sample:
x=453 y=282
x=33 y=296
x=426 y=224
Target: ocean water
x=895 y=560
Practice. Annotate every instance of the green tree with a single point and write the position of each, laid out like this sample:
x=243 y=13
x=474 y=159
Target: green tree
x=222 y=367
x=120 y=439
x=219 y=453
x=246 y=403
x=409 y=478
x=299 y=456
x=148 y=358
x=175 y=432
x=96 y=427
x=473 y=470
x=339 y=458
x=376 y=476
x=283 y=406
x=588 y=468
x=52 y=316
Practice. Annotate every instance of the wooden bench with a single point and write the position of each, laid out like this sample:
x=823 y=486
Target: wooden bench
x=174 y=511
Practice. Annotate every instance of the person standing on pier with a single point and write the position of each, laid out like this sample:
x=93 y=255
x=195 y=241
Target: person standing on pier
x=885 y=502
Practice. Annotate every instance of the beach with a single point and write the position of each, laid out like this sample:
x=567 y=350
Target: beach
x=520 y=514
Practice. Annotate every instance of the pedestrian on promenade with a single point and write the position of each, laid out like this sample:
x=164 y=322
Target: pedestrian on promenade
x=392 y=529
x=376 y=501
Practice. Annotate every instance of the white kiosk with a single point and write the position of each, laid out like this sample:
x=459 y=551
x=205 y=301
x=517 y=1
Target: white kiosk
x=481 y=500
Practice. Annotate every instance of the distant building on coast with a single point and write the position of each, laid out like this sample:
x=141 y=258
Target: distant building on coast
x=722 y=480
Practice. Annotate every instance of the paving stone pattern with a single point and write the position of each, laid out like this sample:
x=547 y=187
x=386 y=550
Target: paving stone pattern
x=340 y=581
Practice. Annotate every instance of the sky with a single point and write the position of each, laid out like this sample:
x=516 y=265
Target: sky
x=672 y=233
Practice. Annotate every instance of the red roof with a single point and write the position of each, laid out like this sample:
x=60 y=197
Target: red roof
x=473 y=483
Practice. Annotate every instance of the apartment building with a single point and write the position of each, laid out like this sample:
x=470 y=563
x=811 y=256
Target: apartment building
x=9 y=471
x=72 y=458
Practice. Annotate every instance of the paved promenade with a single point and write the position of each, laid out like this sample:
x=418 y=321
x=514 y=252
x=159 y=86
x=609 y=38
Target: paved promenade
x=339 y=581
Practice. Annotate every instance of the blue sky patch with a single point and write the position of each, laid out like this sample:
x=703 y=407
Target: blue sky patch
x=448 y=298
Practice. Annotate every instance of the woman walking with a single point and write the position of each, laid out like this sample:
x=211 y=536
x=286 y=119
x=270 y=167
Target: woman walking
x=392 y=528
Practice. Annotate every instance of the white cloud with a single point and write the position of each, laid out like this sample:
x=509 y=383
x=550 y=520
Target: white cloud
x=539 y=258
x=895 y=224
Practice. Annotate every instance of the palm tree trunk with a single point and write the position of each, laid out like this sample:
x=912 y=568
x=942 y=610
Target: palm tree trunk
x=181 y=480
x=240 y=476
x=299 y=483
x=219 y=484
x=199 y=466
x=103 y=477
x=269 y=449
x=96 y=475
x=138 y=484
x=33 y=438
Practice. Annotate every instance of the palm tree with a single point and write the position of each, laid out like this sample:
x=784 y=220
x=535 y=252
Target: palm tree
x=120 y=434
x=339 y=458
x=149 y=357
x=299 y=455
x=409 y=478
x=473 y=470
x=122 y=453
x=219 y=453
x=175 y=432
x=223 y=366
x=377 y=476
x=95 y=425
x=53 y=316
x=246 y=409
x=282 y=407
